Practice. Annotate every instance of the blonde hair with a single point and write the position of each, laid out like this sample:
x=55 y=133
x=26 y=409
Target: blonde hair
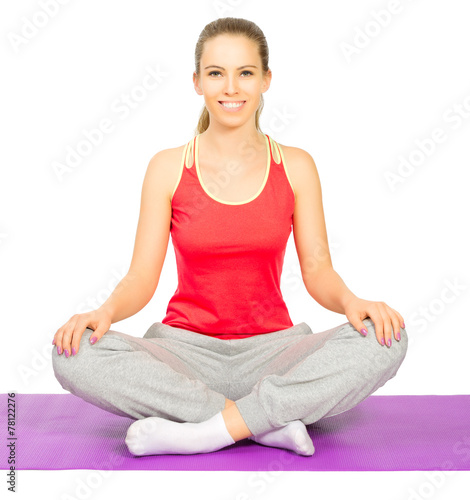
x=231 y=26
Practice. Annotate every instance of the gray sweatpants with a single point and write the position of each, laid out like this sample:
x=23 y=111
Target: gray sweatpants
x=274 y=378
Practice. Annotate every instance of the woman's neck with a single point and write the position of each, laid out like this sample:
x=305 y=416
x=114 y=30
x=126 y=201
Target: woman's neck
x=232 y=143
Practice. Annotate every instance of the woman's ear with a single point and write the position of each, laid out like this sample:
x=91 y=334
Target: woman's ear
x=196 y=83
x=266 y=81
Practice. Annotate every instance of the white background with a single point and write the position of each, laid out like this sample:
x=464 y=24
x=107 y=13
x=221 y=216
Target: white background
x=358 y=104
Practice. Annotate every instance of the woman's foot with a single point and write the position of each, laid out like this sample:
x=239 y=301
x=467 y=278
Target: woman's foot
x=158 y=436
x=293 y=436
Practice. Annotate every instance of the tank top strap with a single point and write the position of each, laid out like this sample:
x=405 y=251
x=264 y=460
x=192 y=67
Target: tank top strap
x=188 y=157
x=275 y=150
x=277 y=156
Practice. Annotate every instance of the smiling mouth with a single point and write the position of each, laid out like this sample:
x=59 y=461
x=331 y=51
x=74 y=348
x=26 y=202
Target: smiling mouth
x=232 y=104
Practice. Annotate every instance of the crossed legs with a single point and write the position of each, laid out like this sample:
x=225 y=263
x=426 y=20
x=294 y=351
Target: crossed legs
x=147 y=379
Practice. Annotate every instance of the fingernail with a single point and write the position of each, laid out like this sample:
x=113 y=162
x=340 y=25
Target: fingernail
x=403 y=326
x=59 y=350
x=382 y=341
x=389 y=342
x=364 y=332
x=73 y=351
x=93 y=340
x=66 y=352
x=53 y=342
x=398 y=336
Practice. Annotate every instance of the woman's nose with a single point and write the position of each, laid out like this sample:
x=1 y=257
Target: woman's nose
x=231 y=85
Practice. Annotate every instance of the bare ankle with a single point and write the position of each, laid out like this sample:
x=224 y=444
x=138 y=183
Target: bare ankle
x=234 y=422
x=228 y=402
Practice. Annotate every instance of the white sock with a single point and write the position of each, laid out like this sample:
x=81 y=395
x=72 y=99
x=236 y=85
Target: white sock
x=155 y=436
x=293 y=436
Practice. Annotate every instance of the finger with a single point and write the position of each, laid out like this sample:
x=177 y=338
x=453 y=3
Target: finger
x=80 y=327
x=67 y=336
x=383 y=309
x=387 y=325
x=66 y=340
x=77 y=336
x=378 y=321
x=357 y=323
x=396 y=325
x=397 y=322
x=58 y=340
x=100 y=330
x=401 y=320
x=396 y=328
x=56 y=336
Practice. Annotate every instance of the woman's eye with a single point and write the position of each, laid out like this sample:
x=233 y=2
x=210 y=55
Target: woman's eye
x=218 y=72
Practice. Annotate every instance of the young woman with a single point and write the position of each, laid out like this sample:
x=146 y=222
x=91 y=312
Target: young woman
x=226 y=363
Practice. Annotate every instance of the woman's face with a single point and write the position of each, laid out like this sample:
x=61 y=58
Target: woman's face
x=231 y=71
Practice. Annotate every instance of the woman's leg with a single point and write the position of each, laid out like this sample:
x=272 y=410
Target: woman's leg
x=234 y=421
x=312 y=376
x=162 y=374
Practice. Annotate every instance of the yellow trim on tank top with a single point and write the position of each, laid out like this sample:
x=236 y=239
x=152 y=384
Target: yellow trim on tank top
x=276 y=154
x=180 y=171
x=260 y=190
x=285 y=170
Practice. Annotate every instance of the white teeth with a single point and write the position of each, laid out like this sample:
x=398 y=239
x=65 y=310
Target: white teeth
x=232 y=104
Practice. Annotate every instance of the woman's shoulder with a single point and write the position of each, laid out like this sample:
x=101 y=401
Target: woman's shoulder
x=168 y=154
x=167 y=164
x=298 y=163
x=298 y=157
x=170 y=159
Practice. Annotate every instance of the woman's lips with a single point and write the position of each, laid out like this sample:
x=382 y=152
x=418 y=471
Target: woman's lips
x=231 y=110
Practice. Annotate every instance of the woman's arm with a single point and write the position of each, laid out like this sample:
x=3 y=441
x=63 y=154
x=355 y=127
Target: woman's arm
x=329 y=290
x=321 y=281
x=131 y=294
x=136 y=289
x=311 y=241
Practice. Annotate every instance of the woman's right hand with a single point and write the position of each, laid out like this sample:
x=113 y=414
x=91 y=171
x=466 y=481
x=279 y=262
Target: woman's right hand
x=67 y=338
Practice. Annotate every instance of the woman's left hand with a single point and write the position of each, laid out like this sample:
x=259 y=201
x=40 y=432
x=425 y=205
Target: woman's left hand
x=383 y=316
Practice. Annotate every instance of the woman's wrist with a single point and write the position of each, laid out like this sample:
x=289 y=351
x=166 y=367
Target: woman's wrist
x=106 y=309
x=350 y=297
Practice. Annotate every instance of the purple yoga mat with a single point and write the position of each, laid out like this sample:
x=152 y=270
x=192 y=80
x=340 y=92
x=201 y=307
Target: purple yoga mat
x=392 y=433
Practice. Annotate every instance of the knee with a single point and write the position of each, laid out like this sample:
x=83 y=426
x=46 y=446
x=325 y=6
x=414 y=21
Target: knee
x=68 y=369
x=402 y=344
x=387 y=358
x=397 y=351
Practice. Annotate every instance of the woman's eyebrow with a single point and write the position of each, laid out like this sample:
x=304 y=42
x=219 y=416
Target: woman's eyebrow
x=241 y=67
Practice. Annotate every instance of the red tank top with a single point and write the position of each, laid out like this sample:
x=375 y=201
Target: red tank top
x=229 y=255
